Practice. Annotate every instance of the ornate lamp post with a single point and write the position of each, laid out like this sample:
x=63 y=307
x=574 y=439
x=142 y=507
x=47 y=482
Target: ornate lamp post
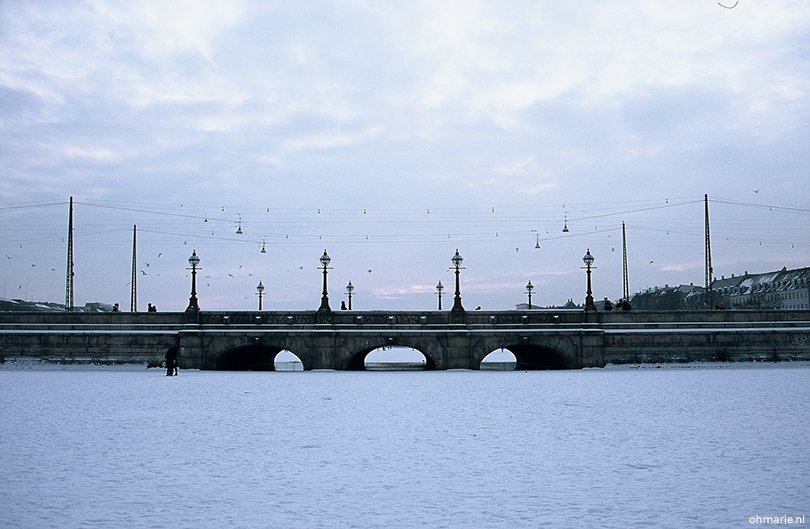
x=325 y=259
x=260 y=290
x=439 y=288
x=193 y=305
x=529 y=288
x=349 y=290
x=457 y=259
x=588 y=260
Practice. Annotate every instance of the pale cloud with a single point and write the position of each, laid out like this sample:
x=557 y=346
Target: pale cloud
x=156 y=30
x=329 y=140
x=97 y=154
x=454 y=105
x=524 y=176
x=399 y=292
x=682 y=267
x=480 y=58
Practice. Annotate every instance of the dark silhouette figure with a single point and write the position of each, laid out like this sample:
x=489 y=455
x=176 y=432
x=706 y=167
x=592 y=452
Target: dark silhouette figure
x=343 y=305
x=151 y=308
x=608 y=305
x=116 y=308
x=171 y=360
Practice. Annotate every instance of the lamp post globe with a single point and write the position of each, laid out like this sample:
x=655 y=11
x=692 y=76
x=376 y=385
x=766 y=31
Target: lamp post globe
x=193 y=304
x=457 y=260
x=260 y=290
x=325 y=260
x=588 y=260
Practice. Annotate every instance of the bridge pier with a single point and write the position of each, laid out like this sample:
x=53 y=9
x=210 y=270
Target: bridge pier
x=190 y=340
x=591 y=350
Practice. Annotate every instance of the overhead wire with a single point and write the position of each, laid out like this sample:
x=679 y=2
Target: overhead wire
x=380 y=225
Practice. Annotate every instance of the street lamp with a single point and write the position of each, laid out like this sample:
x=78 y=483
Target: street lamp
x=457 y=259
x=349 y=290
x=529 y=288
x=193 y=305
x=325 y=259
x=439 y=288
x=260 y=290
x=588 y=260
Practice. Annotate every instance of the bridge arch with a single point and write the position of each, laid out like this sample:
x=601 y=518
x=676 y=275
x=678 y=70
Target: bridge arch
x=357 y=360
x=256 y=357
x=499 y=360
x=530 y=355
x=538 y=357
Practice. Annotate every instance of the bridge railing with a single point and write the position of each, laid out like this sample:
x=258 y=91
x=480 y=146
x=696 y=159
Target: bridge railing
x=405 y=318
x=387 y=318
x=504 y=318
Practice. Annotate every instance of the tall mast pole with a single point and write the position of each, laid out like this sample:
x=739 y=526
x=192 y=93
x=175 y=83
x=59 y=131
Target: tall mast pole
x=133 y=304
x=625 y=280
x=69 y=273
x=709 y=270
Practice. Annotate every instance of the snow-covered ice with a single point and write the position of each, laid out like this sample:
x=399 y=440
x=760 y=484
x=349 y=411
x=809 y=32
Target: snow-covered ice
x=680 y=446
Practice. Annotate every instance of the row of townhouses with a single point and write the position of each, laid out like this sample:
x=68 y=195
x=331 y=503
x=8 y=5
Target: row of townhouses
x=781 y=290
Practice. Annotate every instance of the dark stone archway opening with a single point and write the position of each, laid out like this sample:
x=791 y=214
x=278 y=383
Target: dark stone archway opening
x=359 y=361
x=536 y=357
x=248 y=358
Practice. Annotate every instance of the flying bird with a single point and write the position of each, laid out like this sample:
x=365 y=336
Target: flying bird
x=729 y=7
x=143 y=272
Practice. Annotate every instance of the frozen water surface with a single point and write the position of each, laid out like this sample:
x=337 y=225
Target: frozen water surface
x=707 y=446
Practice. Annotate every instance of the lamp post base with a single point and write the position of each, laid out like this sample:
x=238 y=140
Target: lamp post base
x=457 y=306
x=590 y=306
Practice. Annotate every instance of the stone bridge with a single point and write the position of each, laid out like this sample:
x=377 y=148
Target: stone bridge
x=539 y=339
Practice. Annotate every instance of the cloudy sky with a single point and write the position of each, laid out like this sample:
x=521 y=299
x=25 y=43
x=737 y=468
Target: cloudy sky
x=391 y=134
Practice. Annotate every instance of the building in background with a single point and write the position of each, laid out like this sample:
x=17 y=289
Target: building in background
x=781 y=290
x=666 y=298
